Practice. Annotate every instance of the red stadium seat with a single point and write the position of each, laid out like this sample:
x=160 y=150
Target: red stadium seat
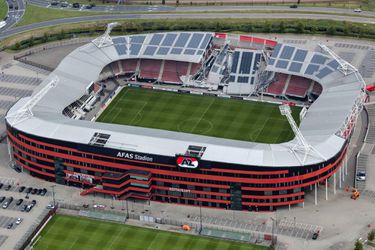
x=173 y=70
x=276 y=88
x=150 y=69
x=298 y=86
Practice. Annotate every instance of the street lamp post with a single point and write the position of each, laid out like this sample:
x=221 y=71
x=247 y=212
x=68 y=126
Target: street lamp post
x=127 y=209
x=273 y=232
x=112 y=206
x=200 y=216
x=53 y=194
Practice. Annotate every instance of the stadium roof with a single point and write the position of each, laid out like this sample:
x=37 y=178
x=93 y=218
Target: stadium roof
x=83 y=66
x=177 y=46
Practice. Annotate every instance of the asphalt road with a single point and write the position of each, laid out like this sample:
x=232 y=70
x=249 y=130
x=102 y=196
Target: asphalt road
x=158 y=8
x=16 y=9
x=21 y=29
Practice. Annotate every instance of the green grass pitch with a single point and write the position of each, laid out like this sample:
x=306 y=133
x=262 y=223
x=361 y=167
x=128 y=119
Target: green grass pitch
x=203 y=115
x=76 y=233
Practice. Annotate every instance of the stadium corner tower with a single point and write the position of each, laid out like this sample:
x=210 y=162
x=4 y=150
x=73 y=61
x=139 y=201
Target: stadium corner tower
x=50 y=137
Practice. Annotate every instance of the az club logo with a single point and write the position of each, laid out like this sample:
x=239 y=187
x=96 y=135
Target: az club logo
x=187 y=162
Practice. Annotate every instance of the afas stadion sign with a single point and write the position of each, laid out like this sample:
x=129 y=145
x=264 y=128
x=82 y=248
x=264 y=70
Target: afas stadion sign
x=186 y=161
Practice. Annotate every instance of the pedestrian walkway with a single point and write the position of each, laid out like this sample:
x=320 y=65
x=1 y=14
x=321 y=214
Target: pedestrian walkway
x=3 y=238
x=33 y=68
x=20 y=79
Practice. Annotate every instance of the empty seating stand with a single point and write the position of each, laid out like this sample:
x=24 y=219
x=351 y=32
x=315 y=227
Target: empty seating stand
x=149 y=69
x=298 y=86
x=277 y=87
x=194 y=68
x=173 y=70
x=317 y=89
x=129 y=66
x=116 y=68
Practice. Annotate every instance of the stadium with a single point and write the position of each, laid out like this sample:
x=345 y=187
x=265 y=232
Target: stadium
x=195 y=118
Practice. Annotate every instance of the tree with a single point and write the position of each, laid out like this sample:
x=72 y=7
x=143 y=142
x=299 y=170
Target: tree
x=371 y=235
x=300 y=27
x=331 y=30
x=281 y=27
x=358 y=245
x=267 y=27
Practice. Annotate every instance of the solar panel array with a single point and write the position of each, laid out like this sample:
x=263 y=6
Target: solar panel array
x=295 y=60
x=163 y=44
x=245 y=65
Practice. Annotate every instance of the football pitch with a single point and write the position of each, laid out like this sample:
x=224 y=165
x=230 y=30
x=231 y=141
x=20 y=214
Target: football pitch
x=203 y=115
x=76 y=233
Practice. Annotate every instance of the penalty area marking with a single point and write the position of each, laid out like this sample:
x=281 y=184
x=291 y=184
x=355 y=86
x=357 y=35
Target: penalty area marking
x=253 y=135
x=139 y=113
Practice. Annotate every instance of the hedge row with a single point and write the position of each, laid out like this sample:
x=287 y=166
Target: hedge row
x=319 y=27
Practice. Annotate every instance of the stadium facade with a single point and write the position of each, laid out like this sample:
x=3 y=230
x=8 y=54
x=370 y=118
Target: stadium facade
x=51 y=142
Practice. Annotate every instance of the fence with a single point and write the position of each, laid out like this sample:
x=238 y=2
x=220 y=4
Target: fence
x=34 y=229
x=51 y=46
x=217 y=231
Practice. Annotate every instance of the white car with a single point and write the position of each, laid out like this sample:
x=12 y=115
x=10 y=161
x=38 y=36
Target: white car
x=50 y=206
x=361 y=176
x=358 y=10
x=98 y=206
x=18 y=221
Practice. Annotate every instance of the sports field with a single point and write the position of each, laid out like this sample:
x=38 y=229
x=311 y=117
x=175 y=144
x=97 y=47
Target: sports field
x=204 y=115
x=76 y=233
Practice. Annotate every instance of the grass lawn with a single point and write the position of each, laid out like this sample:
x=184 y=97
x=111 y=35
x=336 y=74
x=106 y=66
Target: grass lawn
x=3 y=9
x=35 y=14
x=204 y=115
x=75 y=233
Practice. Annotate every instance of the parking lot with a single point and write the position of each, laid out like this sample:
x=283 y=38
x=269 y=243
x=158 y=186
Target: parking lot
x=25 y=203
x=5 y=221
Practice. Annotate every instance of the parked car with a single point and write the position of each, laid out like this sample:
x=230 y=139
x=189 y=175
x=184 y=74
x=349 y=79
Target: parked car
x=28 y=190
x=19 y=202
x=361 y=176
x=64 y=4
x=33 y=203
x=22 y=188
x=315 y=235
x=28 y=208
x=34 y=191
x=10 y=225
x=98 y=206
x=293 y=6
x=23 y=209
x=44 y=191
x=6 y=205
x=40 y=191
x=54 y=3
x=7 y=188
x=50 y=206
x=76 y=5
x=1 y=185
x=18 y=221
x=2 y=198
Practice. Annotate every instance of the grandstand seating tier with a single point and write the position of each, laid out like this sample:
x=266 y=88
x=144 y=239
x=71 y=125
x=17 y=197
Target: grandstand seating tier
x=129 y=65
x=276 y=88
x=298 y=86
x=150 y=69
x=173 y=70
